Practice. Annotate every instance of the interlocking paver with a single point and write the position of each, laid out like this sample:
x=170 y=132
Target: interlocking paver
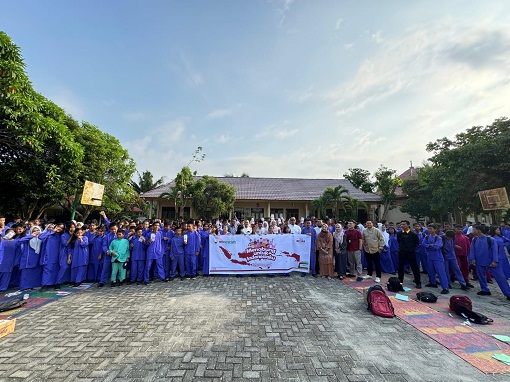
x=228 y=329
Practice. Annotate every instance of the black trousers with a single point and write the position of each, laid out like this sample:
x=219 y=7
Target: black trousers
x=373 y=258
x=408 y=257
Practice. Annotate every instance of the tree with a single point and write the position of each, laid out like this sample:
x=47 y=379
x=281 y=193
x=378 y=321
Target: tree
x=320 y=205
x=352 y=206
x=146 y=182
x=210 y=194
x=385 y=184
x=360 y=179
x=336 y=196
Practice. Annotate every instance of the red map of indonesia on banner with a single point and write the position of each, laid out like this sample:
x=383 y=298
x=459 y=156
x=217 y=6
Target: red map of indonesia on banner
x=249 y=254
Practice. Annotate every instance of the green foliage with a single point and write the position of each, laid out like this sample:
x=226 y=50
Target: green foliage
x=209 y=193
x=146 y=182
x=351 y=208
x=360 y=179
x=475 y=160
x=45 y=156
x=336 y=197
x=320 y=205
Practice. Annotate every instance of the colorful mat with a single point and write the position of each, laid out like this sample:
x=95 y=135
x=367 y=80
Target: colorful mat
x=473 y=344
x=37 y=299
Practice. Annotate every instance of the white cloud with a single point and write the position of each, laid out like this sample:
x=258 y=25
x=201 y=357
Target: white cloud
x=223 y=138
x=286 y=133
x=219 y=113
x=338 y=23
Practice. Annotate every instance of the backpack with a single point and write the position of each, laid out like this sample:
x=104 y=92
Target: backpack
x=11 y=303
x=426 y=296
x=394 y=284
x=489 y=241
x=379 y=303
x=368 y=291
x=468 y=314
x=459 y=300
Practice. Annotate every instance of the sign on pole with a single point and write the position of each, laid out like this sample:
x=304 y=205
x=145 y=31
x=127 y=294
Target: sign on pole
x=495 y=199
x=92 y=194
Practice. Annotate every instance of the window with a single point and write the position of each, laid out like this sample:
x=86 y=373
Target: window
x=276 y=212
x=168 y=212
x=257 y=213
x=293 y=212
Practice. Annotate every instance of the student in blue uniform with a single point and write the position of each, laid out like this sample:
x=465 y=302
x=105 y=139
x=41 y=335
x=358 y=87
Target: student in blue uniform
x=451 y=264
x=96 y=255
x=177 y=254
x=29 y=265
x=166 y=237
x=421 y=254
x=50 y=254
x=484 y=254
x=137 y=245
x=154 y=254
x=503 y=264
x=10 y=252
x=106 y=272
x=432 y=244
x=64 y=273
x=310 y=231
x=79 y=257
x=191 y=249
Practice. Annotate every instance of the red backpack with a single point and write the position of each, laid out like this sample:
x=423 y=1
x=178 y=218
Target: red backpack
x=379 y=303
x=459 y=300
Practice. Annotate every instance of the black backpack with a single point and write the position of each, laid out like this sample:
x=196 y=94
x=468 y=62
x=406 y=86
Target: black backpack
x=394 y=284
x=426 y=296
x=468 y=314
x=11 y=303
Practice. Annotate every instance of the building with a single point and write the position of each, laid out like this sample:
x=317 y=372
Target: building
x=269 y=197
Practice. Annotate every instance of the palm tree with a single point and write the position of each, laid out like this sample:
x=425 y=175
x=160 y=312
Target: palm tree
x=352 y=205
x=146 y=182
x=320 y=205
x=337 y=197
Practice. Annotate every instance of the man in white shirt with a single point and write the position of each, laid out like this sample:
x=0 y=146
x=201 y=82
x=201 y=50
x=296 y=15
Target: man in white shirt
x=247 y=228
x=294 y=228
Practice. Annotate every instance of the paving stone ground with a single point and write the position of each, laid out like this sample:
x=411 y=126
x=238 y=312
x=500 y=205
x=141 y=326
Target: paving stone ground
x=224 y=329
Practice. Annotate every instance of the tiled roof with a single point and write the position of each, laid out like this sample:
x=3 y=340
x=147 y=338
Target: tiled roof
x=407 y=174
x=278 y=189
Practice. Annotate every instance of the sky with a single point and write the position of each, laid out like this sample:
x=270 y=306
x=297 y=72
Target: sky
x=271 y=88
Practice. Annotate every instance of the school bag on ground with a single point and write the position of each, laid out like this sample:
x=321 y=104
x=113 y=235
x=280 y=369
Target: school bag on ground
x=13 y=302
x=475 y=317
x=394 y=284
x=379 y=303
x=426 y=296
x=459 y=300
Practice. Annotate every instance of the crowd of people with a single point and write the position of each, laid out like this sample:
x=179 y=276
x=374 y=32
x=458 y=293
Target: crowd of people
x=41 y=254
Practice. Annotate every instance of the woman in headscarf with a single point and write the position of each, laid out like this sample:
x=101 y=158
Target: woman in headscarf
x=325 y=247
x=29 y=264
x=340 y=248
x=64 y=273
x=79 y=256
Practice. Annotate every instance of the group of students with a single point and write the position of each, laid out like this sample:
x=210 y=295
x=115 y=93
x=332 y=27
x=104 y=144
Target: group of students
x=445 y=254
x=138 y=252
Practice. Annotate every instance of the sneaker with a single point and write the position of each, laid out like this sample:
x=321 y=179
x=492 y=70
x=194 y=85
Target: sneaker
x=100 y=285
x=429 y=285
x=445 y=291
x=193 y=278
x=57 y=286
x=377 y=280
x=351 y=275
x=145 y=283
x=484 y=293
x=182 y=278
x=489 y=281
x=418 y=286
x=469 y=285
x=112 y=284
x=359 y=279
x=464 y=287
x=315 y=275
x=367 y=277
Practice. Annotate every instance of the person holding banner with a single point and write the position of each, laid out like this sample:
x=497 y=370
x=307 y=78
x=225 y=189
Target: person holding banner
x=310 y=231
x=325 y=247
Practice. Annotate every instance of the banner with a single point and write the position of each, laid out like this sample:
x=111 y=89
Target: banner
x=252 y=254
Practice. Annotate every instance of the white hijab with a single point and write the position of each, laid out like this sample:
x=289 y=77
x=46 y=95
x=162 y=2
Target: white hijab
x=35 y=242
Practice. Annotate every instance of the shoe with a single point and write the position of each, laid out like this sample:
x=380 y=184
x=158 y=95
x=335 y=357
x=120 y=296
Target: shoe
x=315 y=275
x=145 y=283
x=303 y=274
x=489 y=281
x=164 y=280
x=112 y=284
x=469 y=285
x=351 y=275
x=120 y=283
x=484 y=293
x=171 y=279
x=449 y=286
x=138 y=283
x=429 y=285
x=57 y=286
x=508 y=298
x=377 y=280
x=445 y=291
x=100 y=285
x=464 y=287
x=193 y=278
x=367 y=276
x=418 y=286
x=359 y=279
